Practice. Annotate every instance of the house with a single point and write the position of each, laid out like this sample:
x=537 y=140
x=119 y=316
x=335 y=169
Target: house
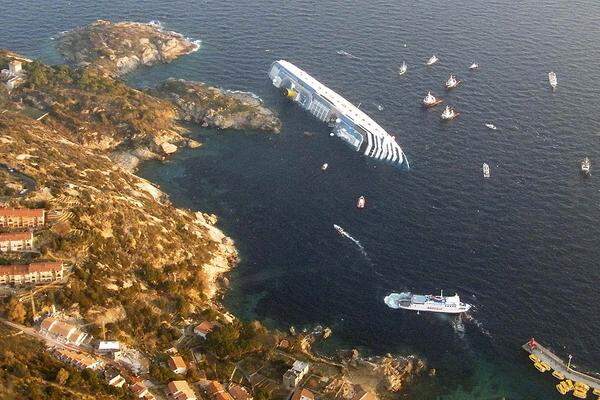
x=22 y=217
x=15 y=67
x=133 y=360
x=204 y=328
x=62 y=331
x=108 y=346
x=303 y=394
x=39 y=272
x=216 y=391
x=116 y=381
x=294 y=375
x=139 y=389
x=177 y=365
x=180 y=390
x=16 y=241
x=238 y=392
x=78 y=360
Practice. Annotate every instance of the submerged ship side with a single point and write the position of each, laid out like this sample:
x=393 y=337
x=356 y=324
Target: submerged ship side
x=349 y=123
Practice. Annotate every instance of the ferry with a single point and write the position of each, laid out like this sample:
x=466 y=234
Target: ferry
x=361 y=202
x=349 y=123
x=432 y=60
x=428 y=303
x=431 y=101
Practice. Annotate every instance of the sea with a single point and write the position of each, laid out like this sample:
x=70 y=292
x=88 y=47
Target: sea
x=521 y=246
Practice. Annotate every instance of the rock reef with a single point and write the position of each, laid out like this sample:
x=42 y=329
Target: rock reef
x=213 y=107
x=121 y=47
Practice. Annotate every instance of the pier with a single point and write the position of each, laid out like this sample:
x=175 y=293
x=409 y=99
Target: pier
x=557 y=364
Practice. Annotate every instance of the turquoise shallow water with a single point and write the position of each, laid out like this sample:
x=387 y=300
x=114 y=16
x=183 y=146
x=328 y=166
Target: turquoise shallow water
x=522 y=246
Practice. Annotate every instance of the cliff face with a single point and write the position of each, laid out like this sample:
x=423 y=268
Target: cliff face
x=119 y=48
x=217 y=108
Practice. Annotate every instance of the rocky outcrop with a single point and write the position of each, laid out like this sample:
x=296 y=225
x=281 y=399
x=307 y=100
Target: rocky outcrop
x=213 y=107
x=121 y=47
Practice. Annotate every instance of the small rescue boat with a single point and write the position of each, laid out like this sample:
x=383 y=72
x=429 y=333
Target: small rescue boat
x=452 y=82
x=431 y=101
x=432 y=60
x=491 y=126
x=324 y=167
x=403 y=68
x=586 y=166
x=473 y=66
x=486 y=174
x=552 y=79
x=449 y=114
x=361 y=202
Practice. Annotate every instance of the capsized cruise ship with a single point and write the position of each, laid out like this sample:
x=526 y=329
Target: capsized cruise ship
x=429 y=303
x=349 y=123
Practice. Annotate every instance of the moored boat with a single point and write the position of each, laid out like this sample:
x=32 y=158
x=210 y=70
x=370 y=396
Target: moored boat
x=586 y=166
x=449 y=114
x=431 y=101
x=428 y=303
x=361 y=202
x=452 y=82
x=432 y=60
x=403 y=68
x=552 y=79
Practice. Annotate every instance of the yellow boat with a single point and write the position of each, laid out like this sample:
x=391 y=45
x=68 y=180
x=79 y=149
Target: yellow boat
x=596 y=391
x=546 y=366
x=558 y=375
x=569 y=384
x=534 y=358
x=540 y=367
x=582 y=386
x=562 y=389
x=581 y=394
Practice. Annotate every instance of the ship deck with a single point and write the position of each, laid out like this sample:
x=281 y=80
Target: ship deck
x=557 y=364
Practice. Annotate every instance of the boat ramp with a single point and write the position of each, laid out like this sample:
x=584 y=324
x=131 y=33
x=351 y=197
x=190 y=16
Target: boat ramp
x=543 y=358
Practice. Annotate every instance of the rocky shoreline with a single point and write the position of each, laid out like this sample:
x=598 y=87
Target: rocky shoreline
x=213 y=107
x=121 y=47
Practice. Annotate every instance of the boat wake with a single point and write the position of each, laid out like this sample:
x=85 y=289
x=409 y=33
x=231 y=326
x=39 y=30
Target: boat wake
x=478 y=324
x=356 y=242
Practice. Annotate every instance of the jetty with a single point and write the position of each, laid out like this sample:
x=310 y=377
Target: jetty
x=546 y=356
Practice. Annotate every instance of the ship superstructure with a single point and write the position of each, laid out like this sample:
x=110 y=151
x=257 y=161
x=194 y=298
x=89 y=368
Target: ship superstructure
x=348 y=121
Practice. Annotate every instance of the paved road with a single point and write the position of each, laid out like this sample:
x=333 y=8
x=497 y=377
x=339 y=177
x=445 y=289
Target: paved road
x=27 y=181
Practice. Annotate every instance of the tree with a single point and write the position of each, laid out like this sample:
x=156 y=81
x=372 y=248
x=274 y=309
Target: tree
x=61 y=376
x=16 y=311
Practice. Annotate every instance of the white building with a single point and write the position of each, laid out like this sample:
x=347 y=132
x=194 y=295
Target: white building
x=108 y=346
x=16 y=241
x=294 y=375
x=62 y=331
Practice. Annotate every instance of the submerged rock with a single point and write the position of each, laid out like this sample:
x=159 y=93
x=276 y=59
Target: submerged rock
x=213 y=107
x=121 y=47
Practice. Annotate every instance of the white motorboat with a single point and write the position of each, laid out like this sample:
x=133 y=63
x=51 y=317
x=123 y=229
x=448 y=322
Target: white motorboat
x=491 y=126
x=449 y=114
x=429 y=303
x=486 y=170
x=474 y=66
x=430 y=100
x=586 y=166
x=324 y=167
x=452 y=82
x=432 y=60
x=552 y=79
x=361 y=202
x=403 y=68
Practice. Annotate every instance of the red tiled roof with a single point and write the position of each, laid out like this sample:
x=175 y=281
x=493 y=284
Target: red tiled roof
x=14 y=270
x=176 y=362
x=26 y=269
x=223 y=396
x=45 y=266
x=22 y=212
x=15 y=236
x=215 y=387
x=205 y=327
x=239 y=393
x=304 y=393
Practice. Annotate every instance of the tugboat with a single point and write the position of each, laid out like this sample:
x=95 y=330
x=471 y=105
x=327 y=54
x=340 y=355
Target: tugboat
x=474 y=66
x=449 y=114
x=429 y=303
x=552 y=79
x=431 y=101
x=452 y=82
x=403 y=68
x=432 y=60
x=361 y=202
x=586 y=166
x=486 y=170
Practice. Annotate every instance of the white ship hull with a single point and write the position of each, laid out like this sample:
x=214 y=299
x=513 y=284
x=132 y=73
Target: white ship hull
x=426 y=303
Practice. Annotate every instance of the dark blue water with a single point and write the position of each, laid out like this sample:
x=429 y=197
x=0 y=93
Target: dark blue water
x=521 y=246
